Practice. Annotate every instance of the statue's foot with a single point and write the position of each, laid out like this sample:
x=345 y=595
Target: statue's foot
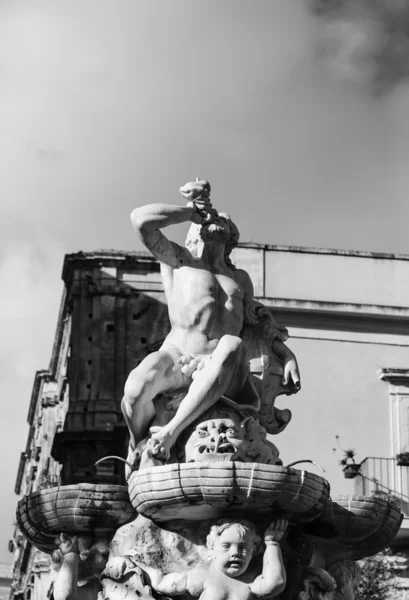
x=160 y=443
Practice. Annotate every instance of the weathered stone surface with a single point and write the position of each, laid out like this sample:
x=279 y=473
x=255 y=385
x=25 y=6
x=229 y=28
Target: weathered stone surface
x=81 y=508
x=353 y=527
x=207 y=490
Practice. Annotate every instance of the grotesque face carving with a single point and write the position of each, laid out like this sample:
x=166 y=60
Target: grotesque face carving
x=229 y=439
x=216 y=439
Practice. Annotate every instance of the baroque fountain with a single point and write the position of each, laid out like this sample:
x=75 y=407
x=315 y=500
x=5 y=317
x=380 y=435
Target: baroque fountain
x=209 y=511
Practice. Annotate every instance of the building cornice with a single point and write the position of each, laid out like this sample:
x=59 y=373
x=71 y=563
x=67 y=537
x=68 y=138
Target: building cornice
x=106 y=258
x=332 y=251
x=395 y=376
x=337 y=316
x=39 y=377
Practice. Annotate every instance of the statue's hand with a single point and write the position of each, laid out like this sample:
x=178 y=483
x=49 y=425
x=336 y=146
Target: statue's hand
x=275 y=531
x=291 y=374
x=68 y=544
x=155 y=575
x=197 y=192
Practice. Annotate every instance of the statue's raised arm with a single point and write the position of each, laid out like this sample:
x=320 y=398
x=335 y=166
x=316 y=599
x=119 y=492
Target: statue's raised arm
x=148 y=220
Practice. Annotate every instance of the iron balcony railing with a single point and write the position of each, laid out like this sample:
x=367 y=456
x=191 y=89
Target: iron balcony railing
x=383 y=477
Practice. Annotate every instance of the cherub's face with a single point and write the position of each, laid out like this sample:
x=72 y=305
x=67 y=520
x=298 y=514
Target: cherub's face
x=232 y=553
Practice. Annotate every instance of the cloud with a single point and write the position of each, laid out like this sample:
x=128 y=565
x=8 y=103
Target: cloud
x=366 y=42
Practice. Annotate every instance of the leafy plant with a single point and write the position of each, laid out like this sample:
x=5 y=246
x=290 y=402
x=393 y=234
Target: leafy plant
x=402 y=458
x=377 y=577
x=348 y=458
x=349 y=466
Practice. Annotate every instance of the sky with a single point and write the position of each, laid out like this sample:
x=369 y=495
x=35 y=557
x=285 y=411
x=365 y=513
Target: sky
x=109 y=104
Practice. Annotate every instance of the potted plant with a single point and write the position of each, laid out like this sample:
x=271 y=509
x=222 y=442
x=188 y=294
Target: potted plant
x=402 y=459
x=349 y=466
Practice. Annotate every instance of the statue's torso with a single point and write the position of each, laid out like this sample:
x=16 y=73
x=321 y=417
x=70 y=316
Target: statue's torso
x=220 y=587
x=203 y=306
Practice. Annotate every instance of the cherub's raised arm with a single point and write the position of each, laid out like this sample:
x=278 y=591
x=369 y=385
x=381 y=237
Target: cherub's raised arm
x=273 y=579
x=66 y=585
x=147 y=222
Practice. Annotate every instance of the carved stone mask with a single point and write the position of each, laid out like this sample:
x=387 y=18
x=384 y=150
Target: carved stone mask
x=217 y=440
x=230 y=438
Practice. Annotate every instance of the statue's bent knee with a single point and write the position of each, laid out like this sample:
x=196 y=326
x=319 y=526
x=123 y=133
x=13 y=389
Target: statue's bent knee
x=135 y=387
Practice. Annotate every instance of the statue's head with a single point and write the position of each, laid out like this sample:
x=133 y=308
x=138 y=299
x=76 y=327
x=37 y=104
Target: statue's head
x=232 y=544
x=219 y=229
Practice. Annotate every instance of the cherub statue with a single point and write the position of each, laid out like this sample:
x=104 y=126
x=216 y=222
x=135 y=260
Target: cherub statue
x=209 y=302
x=226 y=575
x=79 y=562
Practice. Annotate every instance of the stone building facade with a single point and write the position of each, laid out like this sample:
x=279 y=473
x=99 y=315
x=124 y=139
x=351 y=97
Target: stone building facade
x=112 y=314
x=5 y=581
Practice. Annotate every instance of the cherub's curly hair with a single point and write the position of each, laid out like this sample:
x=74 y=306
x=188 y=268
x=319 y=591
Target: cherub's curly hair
x=241 y=526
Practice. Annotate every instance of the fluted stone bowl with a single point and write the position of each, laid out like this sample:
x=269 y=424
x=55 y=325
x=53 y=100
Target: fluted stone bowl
x=357 y=526
x=195 y=491
x=74 y=509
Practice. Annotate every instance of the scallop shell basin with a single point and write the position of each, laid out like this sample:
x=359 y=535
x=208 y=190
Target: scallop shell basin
x=361 y=525
x=80 y=508
x=196 y=491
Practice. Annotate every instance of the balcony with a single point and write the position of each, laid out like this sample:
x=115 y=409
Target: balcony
x=383 y=477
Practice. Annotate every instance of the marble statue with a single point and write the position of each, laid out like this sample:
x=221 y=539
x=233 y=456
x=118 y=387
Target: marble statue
x=209 y=304
x=225 y=575
x=209 y=510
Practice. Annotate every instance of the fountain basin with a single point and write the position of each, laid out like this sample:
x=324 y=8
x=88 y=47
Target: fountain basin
x=355 y=526
x=196 y=491
x=76 y=509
